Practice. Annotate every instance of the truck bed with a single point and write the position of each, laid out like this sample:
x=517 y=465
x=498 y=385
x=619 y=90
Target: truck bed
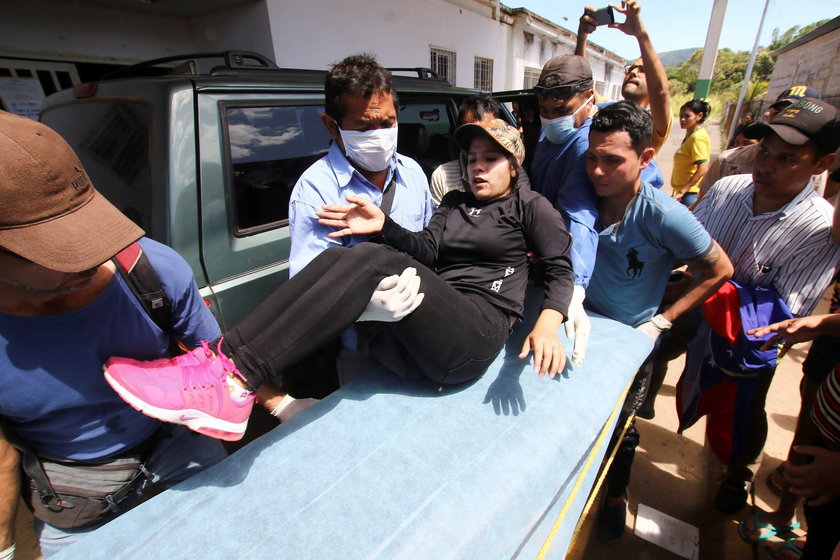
x=402 y=469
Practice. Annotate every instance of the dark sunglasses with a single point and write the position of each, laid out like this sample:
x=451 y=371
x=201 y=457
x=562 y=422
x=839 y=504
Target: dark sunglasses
x=557 y=92
x=630 y=67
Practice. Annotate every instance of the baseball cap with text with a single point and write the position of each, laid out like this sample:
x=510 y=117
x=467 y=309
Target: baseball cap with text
x=804 y=120
x=51 y=214
x=793 y=93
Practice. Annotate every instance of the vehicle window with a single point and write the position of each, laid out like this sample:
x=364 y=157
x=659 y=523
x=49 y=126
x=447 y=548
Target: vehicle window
x=269 y=149
x=111 y=139
x=425 y=130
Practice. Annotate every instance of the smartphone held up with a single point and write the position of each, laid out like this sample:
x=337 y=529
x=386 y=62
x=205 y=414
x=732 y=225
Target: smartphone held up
x=604 y=16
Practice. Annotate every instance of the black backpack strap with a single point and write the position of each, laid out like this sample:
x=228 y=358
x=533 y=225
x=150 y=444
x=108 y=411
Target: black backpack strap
x=137 y=271
x=135 y=268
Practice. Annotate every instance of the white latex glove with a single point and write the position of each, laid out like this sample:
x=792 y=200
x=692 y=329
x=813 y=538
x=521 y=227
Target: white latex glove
x=578 y=325
x=8 y=554
x=650 y=329
x=655 y=327
x=288 y=407
x=394 y=298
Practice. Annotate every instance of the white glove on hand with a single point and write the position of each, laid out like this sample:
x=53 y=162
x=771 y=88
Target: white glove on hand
x=655 y=327
x=394 y=298
x=578 y=325
x=8 y=554
x=650 y=329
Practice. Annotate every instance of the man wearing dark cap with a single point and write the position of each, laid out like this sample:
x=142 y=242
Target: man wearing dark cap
x=737 y=161
x=565 y=97
x=777 y=232
x=63 y=312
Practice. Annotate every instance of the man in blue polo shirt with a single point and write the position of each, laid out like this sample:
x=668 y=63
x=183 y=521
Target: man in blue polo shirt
x=361 y=118
x=558 y=171
x=641 y=233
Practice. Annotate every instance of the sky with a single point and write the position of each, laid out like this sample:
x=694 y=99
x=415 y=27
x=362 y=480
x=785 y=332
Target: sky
x=671 y=28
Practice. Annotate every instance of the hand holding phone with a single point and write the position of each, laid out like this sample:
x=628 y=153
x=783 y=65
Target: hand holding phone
x=604 y=16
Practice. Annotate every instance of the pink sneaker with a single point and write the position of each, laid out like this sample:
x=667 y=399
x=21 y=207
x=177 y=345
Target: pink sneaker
x=191 y=389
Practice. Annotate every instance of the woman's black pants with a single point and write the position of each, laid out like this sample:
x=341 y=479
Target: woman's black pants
x=450 y=338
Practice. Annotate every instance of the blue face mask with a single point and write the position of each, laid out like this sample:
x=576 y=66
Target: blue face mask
x=561 y=129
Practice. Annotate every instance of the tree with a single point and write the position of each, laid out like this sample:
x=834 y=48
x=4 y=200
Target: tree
x=729 y=71
x=731 y=66
x=791 y=34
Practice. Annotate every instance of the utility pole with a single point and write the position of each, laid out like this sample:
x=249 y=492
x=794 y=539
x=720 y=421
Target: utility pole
x=707 y=65
x=747 y=74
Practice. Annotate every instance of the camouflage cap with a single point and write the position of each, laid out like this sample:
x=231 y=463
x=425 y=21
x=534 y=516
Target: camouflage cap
x=499 y=131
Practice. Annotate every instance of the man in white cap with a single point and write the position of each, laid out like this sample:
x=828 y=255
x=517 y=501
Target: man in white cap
x=64 y=310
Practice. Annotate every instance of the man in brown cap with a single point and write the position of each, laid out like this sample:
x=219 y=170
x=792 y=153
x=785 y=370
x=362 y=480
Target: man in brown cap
x=777 y=231
x=565 y=97
x=63 y=312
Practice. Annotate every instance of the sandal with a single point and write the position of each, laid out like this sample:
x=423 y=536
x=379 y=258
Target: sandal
x=758 y=526
x=788 y=546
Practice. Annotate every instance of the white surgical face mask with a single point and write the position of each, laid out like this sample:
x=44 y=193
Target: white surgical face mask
x=371 y=150
x=560 y=129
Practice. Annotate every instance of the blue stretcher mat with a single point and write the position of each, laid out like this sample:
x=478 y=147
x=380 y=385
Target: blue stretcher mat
x=400 y=469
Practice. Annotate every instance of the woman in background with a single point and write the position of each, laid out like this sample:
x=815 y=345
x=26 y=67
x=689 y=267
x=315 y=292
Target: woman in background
x=691 y=160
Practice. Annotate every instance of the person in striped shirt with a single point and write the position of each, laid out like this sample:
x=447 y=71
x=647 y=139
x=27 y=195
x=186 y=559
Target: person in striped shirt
x=776 y=230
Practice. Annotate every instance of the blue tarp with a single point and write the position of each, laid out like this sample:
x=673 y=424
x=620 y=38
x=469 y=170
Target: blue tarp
x=389 y=468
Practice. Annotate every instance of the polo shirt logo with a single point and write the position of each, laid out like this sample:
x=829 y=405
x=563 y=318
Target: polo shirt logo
x=473 y=212
x=634 y=265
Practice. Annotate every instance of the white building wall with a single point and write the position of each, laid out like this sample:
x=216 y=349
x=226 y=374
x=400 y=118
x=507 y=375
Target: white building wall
x=84 y=32
x=310 y=34
x=401 y=34
x=815 y=63
x=88 y=33
x=398 y=33
x=244 y=28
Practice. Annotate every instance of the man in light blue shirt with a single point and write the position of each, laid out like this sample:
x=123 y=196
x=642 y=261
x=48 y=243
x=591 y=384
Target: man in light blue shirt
x=642 y=231
x=361 y=118
x=331 y=179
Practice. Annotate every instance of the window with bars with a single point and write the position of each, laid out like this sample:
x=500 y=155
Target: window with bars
x=601 y=87
x=483 y=72
x=532 y=76
x=443 y=63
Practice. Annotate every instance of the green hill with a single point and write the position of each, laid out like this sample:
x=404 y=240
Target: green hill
x=675 y=58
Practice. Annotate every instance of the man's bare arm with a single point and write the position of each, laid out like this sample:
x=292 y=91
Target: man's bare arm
x=713 y=268
x=657 y=79
x=585 y=27
x=9 y=492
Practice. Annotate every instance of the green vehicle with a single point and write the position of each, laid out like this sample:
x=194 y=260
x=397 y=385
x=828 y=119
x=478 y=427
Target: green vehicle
x=204 y=160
